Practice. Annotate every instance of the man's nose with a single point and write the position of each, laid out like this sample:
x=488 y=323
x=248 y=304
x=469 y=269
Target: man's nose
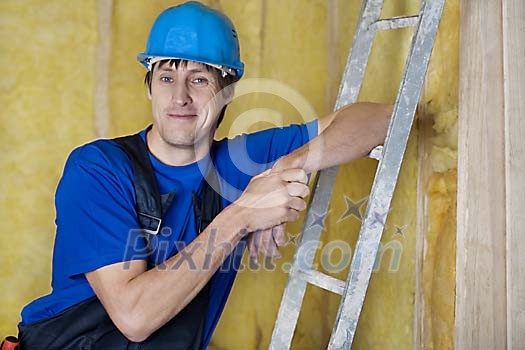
x=181 y=94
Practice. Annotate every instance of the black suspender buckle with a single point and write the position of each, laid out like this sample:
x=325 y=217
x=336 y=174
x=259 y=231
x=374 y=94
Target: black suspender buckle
x=150 y=224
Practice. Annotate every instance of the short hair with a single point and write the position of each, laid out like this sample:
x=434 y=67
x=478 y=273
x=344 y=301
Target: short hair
x=223 y=81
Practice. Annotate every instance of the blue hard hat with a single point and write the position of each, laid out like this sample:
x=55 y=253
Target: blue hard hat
x=194 y=32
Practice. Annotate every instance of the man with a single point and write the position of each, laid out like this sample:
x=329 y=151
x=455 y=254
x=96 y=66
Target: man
x=116 y=287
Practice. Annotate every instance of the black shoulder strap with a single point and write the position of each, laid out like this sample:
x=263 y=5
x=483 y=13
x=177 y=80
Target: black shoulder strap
x=209 y=205
x=151 y=206
x=149 y=203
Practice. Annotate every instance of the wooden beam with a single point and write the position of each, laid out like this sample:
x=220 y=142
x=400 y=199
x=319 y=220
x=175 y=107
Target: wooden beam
x=422 y=328
x=481 y=321
x=514 y=89
x=101 y=93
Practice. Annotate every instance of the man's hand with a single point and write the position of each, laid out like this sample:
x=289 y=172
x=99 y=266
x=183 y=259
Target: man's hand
x=273 y=198
x=269 y=240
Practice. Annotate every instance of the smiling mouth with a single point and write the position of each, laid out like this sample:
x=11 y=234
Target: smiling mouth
x=181 y=116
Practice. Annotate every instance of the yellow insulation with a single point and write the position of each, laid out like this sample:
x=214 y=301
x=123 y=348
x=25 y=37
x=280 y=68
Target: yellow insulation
x=47 y=69
x=440 y=104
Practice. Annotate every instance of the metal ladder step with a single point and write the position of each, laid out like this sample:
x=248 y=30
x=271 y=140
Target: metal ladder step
x=395 y=23
x=321 y=280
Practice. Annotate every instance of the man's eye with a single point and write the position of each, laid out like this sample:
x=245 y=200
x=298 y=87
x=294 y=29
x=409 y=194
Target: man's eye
x=166 y=79
x=200 y=81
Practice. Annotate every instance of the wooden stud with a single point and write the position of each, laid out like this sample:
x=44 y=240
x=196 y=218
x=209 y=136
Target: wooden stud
x=480 y=290
x=101 y=93
x=514 y=90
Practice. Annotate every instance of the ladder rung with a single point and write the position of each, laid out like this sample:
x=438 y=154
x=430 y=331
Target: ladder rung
x=322 y=280
x=376 y=153
x=395 y=23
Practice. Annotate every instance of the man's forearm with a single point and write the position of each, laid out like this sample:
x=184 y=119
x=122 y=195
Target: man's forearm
x=139 y=301
x=157 y=295
x=352 y=133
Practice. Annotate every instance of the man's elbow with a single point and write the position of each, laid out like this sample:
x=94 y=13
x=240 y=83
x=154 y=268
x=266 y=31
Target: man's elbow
x=136 y=336
x=133 y=327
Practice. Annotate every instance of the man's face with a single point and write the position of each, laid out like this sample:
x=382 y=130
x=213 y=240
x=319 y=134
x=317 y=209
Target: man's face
x=185 y=104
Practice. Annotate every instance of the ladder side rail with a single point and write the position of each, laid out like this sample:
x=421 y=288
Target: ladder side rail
x=303 y=259
x=386 y=176
x=359 y=54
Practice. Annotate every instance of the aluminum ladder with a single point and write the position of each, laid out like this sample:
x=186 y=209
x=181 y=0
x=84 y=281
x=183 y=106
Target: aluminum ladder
x=390 y=157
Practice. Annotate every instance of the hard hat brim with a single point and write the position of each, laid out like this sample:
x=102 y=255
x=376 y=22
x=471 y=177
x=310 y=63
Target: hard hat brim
x=147 y=60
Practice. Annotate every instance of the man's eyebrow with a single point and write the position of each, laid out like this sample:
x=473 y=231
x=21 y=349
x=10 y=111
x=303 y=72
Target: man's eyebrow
x=167 y=68
x=199 y=70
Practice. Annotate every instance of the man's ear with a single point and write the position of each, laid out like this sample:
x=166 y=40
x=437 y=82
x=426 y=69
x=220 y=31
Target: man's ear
x=228 y=93
x=149 y=79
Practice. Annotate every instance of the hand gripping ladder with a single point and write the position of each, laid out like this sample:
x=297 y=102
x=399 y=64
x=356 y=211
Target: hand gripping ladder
x=390 y=156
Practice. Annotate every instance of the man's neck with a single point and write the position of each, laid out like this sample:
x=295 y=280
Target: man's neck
x=177 y=155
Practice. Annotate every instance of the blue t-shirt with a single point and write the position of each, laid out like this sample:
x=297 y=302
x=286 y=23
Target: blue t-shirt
x=97 y=223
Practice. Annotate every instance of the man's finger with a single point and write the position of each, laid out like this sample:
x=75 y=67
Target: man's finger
x=267 y=244
x=297 y=203
x=253 y=245
x=294 y=175
x=297 y=189
x=269 y=248
x=279 y=235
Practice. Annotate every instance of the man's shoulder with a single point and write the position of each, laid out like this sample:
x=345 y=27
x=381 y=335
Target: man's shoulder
x=290 y=130
x=101 y=150
x=99 y=154
x=285 y=138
